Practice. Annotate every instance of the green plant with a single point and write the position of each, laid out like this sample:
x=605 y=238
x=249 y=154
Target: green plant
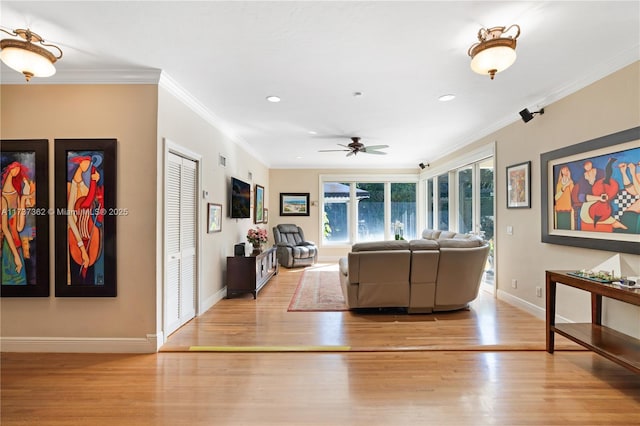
x=326 y=227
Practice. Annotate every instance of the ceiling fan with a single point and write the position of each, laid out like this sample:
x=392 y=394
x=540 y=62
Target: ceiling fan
x=356 y=146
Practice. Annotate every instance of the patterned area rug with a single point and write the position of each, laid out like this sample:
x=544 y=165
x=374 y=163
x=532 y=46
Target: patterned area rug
x=318 y=290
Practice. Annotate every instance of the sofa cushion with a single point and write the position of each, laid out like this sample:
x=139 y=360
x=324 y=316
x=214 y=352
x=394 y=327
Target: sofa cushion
x=431 y=234
x=423 y=245
x=381 y=245
x=446 y=234
x=460 y=243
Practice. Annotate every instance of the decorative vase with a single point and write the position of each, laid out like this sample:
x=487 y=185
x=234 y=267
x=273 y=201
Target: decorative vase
x=257 y=249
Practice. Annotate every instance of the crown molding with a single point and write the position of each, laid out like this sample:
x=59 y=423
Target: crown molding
x=173 y=87
x=87 y=76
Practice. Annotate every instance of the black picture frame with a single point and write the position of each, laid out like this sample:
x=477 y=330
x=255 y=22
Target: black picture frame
x=33 y=155
x=519 y=186
x=597 y=151
x=294 y=204
x=86 y=166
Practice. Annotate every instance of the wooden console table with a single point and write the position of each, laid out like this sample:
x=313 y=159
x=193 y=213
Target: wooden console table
x=248 y=274
x=611 y=344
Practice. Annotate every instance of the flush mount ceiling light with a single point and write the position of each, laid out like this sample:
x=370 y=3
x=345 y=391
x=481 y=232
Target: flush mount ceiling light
x=26 y=57
x=495 y=50
x=273 y=98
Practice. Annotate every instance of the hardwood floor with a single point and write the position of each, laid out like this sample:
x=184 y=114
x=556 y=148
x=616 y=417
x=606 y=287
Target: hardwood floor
x=244 y=322
x=470 y=372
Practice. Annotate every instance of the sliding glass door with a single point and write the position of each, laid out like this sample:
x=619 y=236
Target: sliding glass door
x=462 y=200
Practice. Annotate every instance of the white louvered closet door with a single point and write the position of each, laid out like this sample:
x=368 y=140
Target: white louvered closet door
x=181 y=216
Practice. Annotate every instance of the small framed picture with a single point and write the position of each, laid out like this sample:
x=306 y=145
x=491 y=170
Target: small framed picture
x=294 y=204
x=266 y=216
x=214 y=218
x=258 y=207
x=519 y=186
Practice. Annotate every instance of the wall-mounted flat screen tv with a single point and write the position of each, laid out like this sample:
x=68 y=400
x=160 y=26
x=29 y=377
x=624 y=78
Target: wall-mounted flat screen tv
x=240 y=199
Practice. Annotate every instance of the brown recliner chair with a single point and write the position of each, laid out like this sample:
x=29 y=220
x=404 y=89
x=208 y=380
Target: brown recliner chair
x=291 y=247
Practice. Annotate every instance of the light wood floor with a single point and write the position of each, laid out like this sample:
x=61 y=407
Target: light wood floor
x=481 y=380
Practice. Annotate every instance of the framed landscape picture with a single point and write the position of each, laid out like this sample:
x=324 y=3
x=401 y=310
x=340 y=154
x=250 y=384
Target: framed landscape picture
x=86 y=213
x=24 y=236
x=591 y=193
x=214 y=218
x=519 y=186
x=294 y=204
x=258 y=207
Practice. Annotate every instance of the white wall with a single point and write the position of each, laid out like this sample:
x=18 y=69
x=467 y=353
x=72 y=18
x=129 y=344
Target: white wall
x=183 y=123
x=607 y=106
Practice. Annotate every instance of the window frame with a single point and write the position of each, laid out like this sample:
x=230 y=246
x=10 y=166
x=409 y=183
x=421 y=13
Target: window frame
x=352 y=179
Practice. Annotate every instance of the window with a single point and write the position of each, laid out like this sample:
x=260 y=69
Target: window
x=403 y=209
x=335 y=219
x=371 y=212
x=443 y=201
x=430 y=203
x=355 y=209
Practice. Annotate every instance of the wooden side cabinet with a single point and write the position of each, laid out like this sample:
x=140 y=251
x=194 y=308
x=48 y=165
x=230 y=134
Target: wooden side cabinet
x=611 y=344
x=248 y=274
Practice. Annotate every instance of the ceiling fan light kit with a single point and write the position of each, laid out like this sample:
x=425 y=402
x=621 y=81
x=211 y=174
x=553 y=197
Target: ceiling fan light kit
x=27 y=56
x=495 y=50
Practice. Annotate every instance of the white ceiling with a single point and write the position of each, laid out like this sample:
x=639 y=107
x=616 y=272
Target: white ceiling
x=231 y=55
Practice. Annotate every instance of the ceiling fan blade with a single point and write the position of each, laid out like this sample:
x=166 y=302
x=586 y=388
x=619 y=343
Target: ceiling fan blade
x=374 y=152
x=376 y=147
x=352 y=153
x=333 y=150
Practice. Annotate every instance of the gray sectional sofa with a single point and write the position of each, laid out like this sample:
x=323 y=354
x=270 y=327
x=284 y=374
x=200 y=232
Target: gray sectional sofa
x=439 y=272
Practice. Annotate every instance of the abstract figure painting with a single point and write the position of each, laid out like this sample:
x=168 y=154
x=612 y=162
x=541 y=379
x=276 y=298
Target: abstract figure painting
x=519 y=186
x=591 y=193
x=24 y=235
x=86 y=217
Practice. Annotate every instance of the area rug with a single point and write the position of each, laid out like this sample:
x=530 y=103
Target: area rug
x=318 y=291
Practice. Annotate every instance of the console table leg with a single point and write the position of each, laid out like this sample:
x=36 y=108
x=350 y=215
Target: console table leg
x=551 y=313
x=596 y=309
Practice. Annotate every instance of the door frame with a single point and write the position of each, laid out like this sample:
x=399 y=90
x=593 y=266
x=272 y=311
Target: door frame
x=177 y=149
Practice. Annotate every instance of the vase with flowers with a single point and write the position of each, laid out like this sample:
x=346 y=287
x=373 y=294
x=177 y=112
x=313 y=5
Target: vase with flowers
x=397 y=229
x=257 y=237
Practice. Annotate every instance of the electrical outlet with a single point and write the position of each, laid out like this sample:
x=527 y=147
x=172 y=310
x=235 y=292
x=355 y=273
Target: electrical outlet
x=514 y=283
x=539 y=291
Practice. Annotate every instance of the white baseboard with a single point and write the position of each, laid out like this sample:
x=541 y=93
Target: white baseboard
x=529 y=307
x=206 y=304
x=145 y=345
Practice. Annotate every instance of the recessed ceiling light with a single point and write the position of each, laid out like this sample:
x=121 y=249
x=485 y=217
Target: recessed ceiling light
x=312 y=132
x=273 y=98
x=446 y=98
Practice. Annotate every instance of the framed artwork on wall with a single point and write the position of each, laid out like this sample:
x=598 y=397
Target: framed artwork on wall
x=519 y=186
x=86 y=213
x=24 y=236
x=214 y=218
x=266 y=216
x=258 y=204
x=591 y=193
x=294 y=204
